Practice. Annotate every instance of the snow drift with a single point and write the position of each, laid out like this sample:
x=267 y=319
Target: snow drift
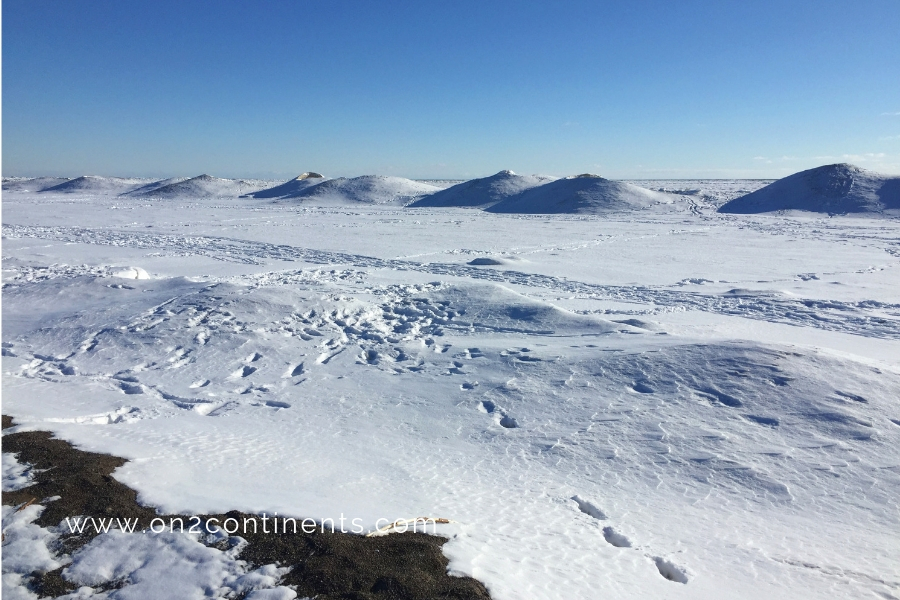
x=367 y=189
x=832 y=189
x=205 y=186
x=483 y=192
x=582 y=194
x=290 y=187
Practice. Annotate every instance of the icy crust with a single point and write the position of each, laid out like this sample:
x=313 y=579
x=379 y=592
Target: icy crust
x=367 y=189
x=586 y=194
x=831 y=189
x=483 y=192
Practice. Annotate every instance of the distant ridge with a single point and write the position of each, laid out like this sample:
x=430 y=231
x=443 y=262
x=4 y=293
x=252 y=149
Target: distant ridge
x=290 y=187
x=833 y=189
x=367 y=189
x=581 y=194
x=483 y=192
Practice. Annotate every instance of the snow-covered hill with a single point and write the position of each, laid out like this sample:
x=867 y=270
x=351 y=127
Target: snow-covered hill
x=31 y=184
x=483 y=192
x=93 y=184
x=290 y=187
x=367 y=189
x=149 y=188
x=583 y=194
x=832 y=189
x=206 y=186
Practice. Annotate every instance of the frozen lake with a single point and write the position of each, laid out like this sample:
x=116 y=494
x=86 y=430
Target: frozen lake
x=638 y=405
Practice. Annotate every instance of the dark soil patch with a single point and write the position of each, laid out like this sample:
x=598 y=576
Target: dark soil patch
x=327 y=566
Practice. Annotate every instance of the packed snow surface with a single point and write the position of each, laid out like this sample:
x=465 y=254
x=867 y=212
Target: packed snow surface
x=483 y=192
x=367 y=189
x=582 y=194
x=639 y=404
x=833 y=189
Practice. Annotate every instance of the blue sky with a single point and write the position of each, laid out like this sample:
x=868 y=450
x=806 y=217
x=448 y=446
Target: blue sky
x=458 y=89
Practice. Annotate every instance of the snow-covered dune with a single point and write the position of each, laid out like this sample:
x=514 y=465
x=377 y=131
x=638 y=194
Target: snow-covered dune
x=832 y=189
x=93 y=184
x=367 y=189
x=31 y=184
x=206 y=186
x=583 y=194
x=483 y=192
x=290 y=187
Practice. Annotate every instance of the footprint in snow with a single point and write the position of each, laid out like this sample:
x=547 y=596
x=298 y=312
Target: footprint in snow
x=669 y=570
x=614 y=538
x=589 y=508
x=244 y=371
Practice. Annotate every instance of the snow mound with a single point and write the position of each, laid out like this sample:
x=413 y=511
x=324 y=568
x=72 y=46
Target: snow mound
x=206 y=186
x=484 y=192
x=832 y=189
x=367 y=189
x=93 y=184
x=290 y=187
x=132 y=273
x=493 y=261
x=581 y=194
x=31 y=184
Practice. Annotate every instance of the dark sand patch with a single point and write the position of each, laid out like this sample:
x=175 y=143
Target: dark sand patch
x=328 y=566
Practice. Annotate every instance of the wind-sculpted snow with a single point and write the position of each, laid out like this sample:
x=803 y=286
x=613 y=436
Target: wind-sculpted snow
x=869 y=318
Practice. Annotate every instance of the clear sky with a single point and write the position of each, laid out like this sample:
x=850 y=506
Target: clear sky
x=625 y=89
